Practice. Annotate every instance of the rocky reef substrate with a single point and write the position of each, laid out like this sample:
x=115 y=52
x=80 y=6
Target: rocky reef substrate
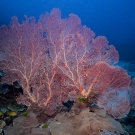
x=80 y=120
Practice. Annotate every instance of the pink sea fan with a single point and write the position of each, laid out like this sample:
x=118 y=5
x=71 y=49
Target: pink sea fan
x=53 y=57
x=115 y=103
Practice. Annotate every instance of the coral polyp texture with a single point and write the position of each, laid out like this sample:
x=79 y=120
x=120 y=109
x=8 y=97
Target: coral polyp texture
x=52 y=57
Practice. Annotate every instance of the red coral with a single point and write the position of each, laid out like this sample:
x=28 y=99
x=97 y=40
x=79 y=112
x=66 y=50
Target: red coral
x=56 y=56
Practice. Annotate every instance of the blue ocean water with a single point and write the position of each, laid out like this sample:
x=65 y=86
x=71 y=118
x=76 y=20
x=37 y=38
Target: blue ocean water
x=114 y=19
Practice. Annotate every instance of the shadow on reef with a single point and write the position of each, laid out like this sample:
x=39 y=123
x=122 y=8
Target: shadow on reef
x=9 y=92
x=9 y=109
x=128 y=122
x=68 y=105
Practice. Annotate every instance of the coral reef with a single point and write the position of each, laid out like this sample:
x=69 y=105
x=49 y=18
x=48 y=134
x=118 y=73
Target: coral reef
x=53 y=57
x=64 y=123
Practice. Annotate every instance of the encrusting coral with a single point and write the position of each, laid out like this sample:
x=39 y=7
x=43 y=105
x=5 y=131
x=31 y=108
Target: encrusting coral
x=83 y=122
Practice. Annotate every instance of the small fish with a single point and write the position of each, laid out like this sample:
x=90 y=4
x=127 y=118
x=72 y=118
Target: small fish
x=92 y=104
x=1 y=114
x=24 y=114
x=12 y=114
x=44 y=125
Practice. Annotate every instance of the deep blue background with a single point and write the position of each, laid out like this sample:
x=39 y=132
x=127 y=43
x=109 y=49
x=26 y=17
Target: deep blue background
x=114 y=19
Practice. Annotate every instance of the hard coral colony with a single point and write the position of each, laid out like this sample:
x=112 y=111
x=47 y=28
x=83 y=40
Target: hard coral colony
x=53 y=57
